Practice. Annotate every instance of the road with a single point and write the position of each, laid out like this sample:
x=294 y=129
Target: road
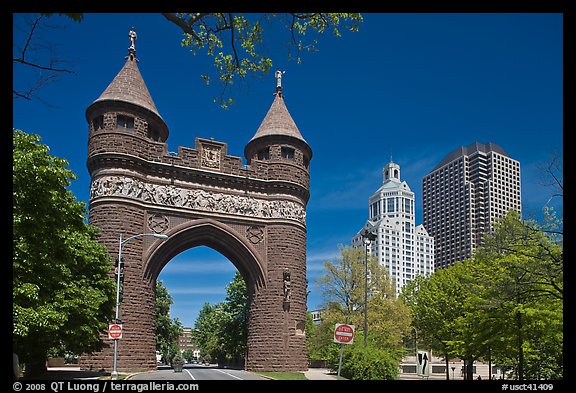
x=197 y=372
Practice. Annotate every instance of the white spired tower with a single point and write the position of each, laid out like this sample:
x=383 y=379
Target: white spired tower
x=405 y=249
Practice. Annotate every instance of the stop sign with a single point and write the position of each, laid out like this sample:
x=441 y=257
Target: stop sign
x=344 y=334
x=114 y=331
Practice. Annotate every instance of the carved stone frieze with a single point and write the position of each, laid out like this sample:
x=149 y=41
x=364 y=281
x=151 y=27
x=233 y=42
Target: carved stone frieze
x=196 y=199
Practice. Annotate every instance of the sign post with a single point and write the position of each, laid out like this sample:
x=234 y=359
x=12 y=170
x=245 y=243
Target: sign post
x=343 y=334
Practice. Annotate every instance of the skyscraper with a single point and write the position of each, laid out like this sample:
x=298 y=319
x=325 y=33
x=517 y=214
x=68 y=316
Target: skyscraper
x=464 y=194
x=405 y=249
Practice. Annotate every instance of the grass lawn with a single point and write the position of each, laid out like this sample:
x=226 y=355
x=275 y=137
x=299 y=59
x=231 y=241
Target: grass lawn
x=284 y=375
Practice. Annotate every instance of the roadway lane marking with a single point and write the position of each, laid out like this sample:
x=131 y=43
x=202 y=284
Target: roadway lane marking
x=191 y=376
x=224 y=372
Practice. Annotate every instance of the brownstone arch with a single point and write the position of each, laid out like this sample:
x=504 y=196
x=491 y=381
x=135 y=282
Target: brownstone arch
x=253 y=213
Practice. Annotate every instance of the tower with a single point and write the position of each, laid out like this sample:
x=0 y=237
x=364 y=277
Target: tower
x=463 y=195
x=406 y=250
x=279 y=151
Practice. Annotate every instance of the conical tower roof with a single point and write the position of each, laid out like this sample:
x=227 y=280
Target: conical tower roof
x=278 y=121
x=129 y=86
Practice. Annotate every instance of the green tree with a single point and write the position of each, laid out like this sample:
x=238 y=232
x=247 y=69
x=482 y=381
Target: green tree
x=443 y=314
x=343 y=290
x=344 y=282
x=63 y=296
x=236 y=41
x=320 y=338
x=188 y=355
x=222 y=329
x=505 y=304
x=167 y=330
x=521 y=268
x=207 y=326
x=234 y=328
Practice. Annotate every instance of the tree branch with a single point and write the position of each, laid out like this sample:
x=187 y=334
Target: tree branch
x=185 y=26
x=47 y=68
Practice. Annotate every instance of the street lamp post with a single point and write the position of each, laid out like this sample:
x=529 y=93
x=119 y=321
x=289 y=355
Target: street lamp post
x=368 y=237
x=114 y=374
x=415 y=343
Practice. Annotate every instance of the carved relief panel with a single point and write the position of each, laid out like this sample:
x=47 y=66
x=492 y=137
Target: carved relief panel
x=211 y=156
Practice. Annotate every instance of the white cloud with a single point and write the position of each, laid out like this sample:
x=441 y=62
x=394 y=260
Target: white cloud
x=197 y=290
x=315 y=261
x=198 y=267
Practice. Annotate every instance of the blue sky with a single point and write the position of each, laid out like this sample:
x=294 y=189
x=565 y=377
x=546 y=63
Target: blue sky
x=414 y=86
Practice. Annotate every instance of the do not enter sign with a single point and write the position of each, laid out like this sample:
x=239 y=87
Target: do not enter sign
x=114 y=331
x=344 y=334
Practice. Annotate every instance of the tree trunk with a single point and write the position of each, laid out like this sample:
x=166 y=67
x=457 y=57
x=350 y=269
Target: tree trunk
x=520 y=349
x=469 y=368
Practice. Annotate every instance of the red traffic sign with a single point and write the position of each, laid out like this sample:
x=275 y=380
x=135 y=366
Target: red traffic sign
x=344 y=334
x=114 y=331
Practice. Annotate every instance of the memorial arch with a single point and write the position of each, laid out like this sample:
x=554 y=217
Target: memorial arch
x=254 y=214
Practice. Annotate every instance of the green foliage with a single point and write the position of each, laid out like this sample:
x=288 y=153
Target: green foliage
x=368 y=363
x=188 y=354
x=389 y=320
x=236 y=41
x=320 y=338
x=505 y=303
x=222 y=329
x=63 y=296
x=206 y=326
x=178 y=360
x=167 y=330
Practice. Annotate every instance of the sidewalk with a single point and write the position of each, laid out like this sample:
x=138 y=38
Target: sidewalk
x=320 y=374
x=71 y=373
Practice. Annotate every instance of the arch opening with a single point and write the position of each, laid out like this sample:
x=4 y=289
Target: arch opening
x=212 y=234
x=198 y=281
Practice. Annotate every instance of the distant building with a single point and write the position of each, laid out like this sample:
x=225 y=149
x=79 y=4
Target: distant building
x=405 y=249
x=186 y=341
x=316 y=316
x=464 y=194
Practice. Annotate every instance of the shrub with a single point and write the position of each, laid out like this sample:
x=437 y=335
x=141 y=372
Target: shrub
x=368 y=363
x=178 y=359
